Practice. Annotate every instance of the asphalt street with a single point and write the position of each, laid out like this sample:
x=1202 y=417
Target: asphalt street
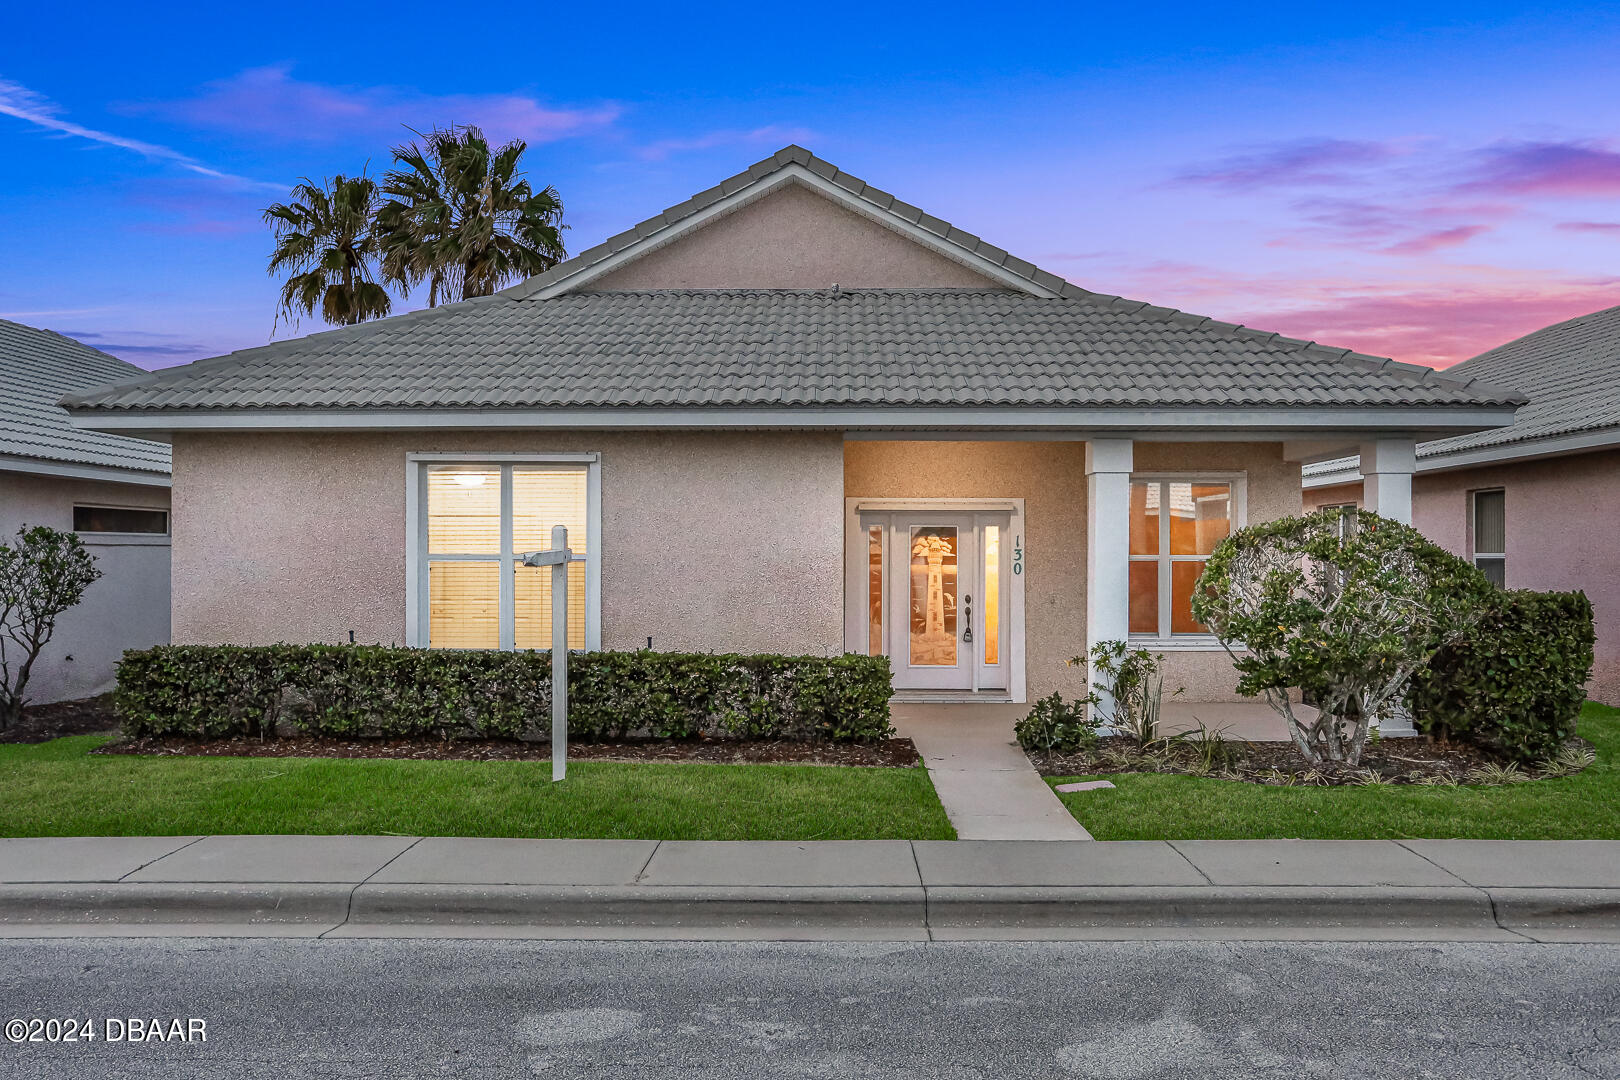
x=370 y=1008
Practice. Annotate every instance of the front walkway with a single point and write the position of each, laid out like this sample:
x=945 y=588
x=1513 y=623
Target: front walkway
x=986 y=784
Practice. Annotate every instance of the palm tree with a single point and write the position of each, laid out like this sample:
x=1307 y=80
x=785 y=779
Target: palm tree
x=325 y=240
x=460 y=217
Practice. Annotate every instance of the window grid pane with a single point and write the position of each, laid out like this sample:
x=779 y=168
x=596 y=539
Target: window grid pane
x=464 y=510
x=1490 y=523
x=542 y=499
x=1184 y=574
x=531 y=606
x=1144 y=589
x=464 y=605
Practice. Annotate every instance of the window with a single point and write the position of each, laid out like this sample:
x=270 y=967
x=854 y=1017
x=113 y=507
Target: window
x=120 y=519
x=1347 y=517
x=475 y=521
x=1490 y=535
x=1175 y=525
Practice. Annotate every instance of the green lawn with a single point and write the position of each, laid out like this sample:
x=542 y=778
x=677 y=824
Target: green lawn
x=60 y=789
x=1164 y=807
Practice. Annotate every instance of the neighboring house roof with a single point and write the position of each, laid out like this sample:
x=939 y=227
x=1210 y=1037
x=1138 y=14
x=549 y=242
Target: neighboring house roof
x=1041 y=342
x=1571 y=373
x=37 y=367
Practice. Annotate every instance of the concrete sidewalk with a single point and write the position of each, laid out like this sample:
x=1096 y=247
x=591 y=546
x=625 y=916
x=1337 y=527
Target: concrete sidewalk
x=347 y=886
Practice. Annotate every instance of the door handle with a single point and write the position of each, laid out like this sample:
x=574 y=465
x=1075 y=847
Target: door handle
x=967 y=619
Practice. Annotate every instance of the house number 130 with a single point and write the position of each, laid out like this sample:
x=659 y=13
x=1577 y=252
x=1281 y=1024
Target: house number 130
x=1018 y=554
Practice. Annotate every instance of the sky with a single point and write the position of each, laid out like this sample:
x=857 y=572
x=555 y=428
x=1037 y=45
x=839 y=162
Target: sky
x=1417 y=181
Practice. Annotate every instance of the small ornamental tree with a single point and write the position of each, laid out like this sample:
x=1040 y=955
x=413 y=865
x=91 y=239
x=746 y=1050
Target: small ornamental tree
x=1347 y=615
x=42 y=573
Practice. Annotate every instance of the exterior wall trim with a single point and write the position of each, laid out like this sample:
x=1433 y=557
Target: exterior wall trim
x=76 y=471
x=1179 y=424
x=416 y=562
x=1528 y=450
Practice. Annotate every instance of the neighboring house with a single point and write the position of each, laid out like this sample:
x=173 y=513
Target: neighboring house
x=792 y=414
x=1533 y=505
x=111 y=489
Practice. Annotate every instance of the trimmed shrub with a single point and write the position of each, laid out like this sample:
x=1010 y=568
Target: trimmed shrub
x=1055 y=726
x=383 y=691
x=1516 y=681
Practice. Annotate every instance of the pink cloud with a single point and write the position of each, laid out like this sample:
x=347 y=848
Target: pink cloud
x=268 y=101
x=1436 y=326
x=1438 y=316
x=1436 y=240
x=1611 y=227
x=1300 y=162
x=1548 y=168
x=772 y=135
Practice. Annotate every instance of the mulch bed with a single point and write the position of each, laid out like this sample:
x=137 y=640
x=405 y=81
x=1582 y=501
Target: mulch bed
x=41 y=723
x=1400 y=761
x=891 y=753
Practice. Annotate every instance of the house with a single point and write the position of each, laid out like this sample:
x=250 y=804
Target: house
x=792 y=414
x=1531 y=504
x=112 y=490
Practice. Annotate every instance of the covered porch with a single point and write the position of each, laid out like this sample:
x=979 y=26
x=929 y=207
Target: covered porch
x=983 y=563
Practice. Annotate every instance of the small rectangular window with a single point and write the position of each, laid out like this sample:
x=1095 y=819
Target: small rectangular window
x=120 y=519
x=1490 y=535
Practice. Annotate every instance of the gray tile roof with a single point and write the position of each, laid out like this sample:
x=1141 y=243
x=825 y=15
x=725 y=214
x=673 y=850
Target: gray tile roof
x=858 y=348
x=37 y=367
x=762 y=348
x=1570 y=371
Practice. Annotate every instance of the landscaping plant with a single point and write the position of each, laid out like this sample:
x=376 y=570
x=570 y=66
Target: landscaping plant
x=217 y=691
x=1515 y=682
x=1346 y=616
x=1135 y=679
x=43 y=573
x=1055 y=726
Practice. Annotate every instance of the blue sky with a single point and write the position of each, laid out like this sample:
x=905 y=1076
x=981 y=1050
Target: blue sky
x=1417 y=184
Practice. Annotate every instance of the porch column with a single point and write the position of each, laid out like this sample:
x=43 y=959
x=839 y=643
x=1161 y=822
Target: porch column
x=1386 y=469
x=1108 y=545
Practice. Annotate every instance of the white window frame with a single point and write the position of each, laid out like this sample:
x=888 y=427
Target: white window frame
x=1347 y=514
x=1474 y=554
x=417 y=561
x=1239 y=483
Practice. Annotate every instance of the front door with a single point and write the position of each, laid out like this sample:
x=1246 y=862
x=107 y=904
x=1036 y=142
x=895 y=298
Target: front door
x=936 y=605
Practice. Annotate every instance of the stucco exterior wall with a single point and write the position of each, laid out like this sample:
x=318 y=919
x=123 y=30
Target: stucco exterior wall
x=792 y=238
x=1561 y=533
x=126 y=608
x=710 y=541
x=1050 y=477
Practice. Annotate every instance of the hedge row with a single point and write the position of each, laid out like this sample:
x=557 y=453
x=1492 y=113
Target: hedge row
x=1517 y=681
x=385 y=691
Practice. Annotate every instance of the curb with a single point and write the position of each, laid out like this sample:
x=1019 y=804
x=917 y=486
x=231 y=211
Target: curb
x=763 y=908
x=152 y=902
x=1208 y=906
x=640 y=905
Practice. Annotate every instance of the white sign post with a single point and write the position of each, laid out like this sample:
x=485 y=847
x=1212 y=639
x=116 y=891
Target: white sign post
x=558 y=559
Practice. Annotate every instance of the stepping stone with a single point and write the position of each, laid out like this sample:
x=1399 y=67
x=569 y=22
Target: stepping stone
x=1085 y=785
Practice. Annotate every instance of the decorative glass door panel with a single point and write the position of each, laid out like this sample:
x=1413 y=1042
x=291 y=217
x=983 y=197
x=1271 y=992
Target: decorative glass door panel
x=934 y=582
